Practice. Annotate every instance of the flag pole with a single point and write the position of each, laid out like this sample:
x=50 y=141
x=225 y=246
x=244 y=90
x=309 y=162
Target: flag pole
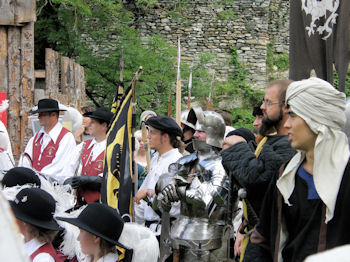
x=121 y=85
x=133 y=127
x=178 y=85
x=119 y=94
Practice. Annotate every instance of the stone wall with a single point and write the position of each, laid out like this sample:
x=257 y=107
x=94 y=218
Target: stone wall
x=201 y=29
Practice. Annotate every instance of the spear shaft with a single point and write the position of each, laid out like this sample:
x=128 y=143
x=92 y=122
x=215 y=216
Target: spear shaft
x=210 y=91
x=189 y=91
x=178 y=85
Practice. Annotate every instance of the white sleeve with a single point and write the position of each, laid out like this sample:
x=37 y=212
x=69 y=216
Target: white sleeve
x=24 y=161
x=70 y=168
x=145 y=182
x=43 y=257
x=64 y=154
x=5 y=142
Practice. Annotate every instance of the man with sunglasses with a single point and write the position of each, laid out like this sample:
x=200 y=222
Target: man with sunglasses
x=51 y=148
x=254 y=170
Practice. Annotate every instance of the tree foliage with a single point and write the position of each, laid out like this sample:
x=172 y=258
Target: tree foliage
x=93 y=32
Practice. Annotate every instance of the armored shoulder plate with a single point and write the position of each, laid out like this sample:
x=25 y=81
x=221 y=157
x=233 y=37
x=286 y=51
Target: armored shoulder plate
x=187 y=159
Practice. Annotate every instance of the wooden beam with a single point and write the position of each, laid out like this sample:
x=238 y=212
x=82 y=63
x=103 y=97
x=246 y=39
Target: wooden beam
x=17 y=12
x=77 y=84
x=82 y=89
x=27 y=81
x=39 y=73
x=67 y=78
x=14 y=96
x=51 y=73
x=3 y=60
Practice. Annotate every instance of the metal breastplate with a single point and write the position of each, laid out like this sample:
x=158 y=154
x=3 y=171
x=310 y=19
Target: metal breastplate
x=207 y=178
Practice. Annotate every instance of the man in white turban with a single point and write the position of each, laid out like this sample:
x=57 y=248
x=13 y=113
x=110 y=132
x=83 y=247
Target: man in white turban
x=306 y=209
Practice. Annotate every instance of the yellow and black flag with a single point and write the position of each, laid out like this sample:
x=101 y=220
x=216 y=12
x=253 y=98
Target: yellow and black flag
x=117 y=188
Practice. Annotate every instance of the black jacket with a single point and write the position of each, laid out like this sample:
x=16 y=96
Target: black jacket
x=263 y=245
x=253 y=173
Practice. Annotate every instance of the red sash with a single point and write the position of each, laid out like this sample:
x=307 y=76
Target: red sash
x=48 y=248
x=90 y=168
x=49 y=152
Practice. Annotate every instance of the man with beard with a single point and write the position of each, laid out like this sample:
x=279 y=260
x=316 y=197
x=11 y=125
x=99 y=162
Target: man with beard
x=254 y=171
x=306 y=207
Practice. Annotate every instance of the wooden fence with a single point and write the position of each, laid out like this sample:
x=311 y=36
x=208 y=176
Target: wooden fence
x=63 y=78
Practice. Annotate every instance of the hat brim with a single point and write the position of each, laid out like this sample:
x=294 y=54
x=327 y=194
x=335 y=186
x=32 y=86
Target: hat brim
x=97 y=117
x=77 y=222
x=45 y=110
x=50 y=224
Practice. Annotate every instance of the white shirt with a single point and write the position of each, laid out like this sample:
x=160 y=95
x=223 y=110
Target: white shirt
x=110 y=257
x=63 y=155
x=5 y=143
x=158 y=166
x=32 y=246
x=97 y=149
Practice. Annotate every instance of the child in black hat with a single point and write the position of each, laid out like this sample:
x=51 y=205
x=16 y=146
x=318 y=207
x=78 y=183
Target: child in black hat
x=100 y=228
x=19 y=176
x=34 y=209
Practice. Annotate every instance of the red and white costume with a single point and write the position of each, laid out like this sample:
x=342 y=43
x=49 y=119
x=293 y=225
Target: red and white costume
x=50 y=152
x=92 y=165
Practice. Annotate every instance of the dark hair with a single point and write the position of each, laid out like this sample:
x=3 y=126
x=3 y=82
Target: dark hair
x=57 y=113
x=87 y=109
x=43 y=235
x=106 y=247
x=282 y=85
x=187 y=128
x=174 y=142
x=100 y=121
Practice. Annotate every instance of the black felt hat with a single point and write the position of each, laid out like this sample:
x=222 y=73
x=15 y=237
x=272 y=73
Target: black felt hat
x=46 y=105
x=243 y=132
x=165 y=124
x=20 y=176
x=101 y=114
x=100 y=220
x=36 y=207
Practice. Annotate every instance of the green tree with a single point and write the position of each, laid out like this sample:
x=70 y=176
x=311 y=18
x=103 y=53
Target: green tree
x=92 y=33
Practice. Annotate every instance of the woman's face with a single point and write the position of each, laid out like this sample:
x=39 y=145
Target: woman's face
x=89 y=243
x=140 y=142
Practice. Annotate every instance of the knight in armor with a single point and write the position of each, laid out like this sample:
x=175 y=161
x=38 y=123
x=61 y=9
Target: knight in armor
x=90 y=157
x=188 y=129
x=51 y=148
x=200 y=182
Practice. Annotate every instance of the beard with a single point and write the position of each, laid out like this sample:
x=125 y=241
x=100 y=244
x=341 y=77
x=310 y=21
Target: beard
x=269 y=125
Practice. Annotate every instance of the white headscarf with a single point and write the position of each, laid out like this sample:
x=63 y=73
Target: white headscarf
x=323 y=109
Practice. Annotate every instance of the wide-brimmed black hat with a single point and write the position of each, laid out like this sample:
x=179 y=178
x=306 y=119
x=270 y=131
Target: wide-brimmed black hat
x=100 y=220
x=20 y=176
x=101 y=114
x=165 y=124
x=46 y=105
x=36 y=207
